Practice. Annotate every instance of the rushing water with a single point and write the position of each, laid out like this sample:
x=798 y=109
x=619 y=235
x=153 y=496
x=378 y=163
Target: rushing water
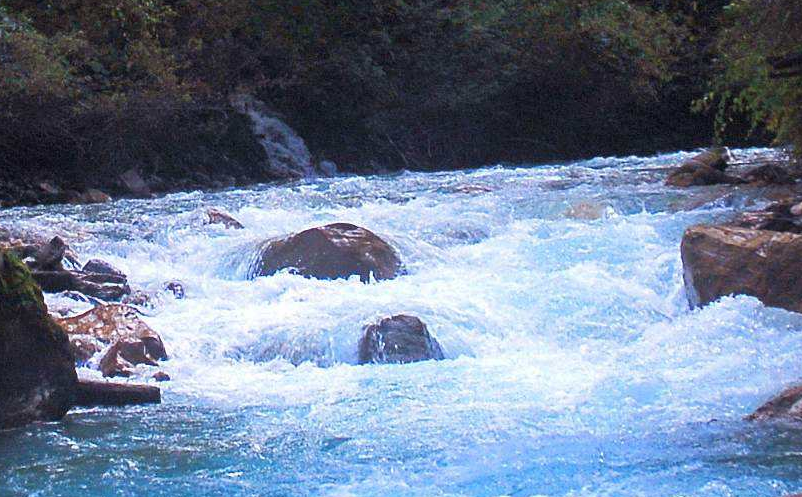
x=574 y=366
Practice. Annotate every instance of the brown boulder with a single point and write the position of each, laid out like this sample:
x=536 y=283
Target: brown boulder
x=97 y=266
x=723 y=260
x=769 y=174
x=114 y=322
x=124 y=355
x=37 y=372
x=788 y=405
x=83 y=348
x=330 y=252
x=706 y=168
x=397 y=340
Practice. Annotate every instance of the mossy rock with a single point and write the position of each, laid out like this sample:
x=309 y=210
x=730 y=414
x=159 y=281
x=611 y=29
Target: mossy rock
x=37 y=372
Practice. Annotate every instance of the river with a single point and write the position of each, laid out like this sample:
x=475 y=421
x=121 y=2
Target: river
x=574 y=366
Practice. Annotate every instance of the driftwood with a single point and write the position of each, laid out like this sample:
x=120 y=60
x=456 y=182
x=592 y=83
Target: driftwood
x=101 y=393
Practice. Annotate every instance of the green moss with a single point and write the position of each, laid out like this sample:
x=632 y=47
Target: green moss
x=17 y=287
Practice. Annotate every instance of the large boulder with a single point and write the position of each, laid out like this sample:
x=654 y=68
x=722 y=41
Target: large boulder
x=786 y=405
x=330 y=252
x=706 y=168
x=397 y=340
x=37 y=373
x=132 y=340
x=726 y=260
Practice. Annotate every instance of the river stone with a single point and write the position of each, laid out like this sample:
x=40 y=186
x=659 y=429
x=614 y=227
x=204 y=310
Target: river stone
x=112 y=323
x=706 y=168
x=37 y=372
x=98 y=266
x=330 y=252
x=124 y=355
x=788 y=405
x=724 y=260
x=769 y=174
x=397 y=340
x=217 y=216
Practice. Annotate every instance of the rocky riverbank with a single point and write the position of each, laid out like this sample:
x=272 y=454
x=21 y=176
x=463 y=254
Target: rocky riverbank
x=759 y=253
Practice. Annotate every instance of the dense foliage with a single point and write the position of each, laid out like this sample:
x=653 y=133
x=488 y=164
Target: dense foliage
x=113 y=84
x=761 y=68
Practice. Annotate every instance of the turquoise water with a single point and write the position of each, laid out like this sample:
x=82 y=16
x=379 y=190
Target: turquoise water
x=574 y=366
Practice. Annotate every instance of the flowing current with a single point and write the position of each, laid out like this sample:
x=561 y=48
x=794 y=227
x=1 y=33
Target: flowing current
x=574 y=366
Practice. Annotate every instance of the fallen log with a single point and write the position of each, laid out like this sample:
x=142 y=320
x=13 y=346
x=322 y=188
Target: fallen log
x=101 y=393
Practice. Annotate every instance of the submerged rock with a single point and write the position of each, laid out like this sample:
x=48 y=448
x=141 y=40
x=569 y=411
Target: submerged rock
x=37 y=372
x=216 y=216
x=330 y=252
x=724 y=260
x=397 y=340
x=706 y=168
x=788 y=405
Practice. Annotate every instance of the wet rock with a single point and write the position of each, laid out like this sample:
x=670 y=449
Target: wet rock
x=112 y=323
x=90 y=196
x=161 y=376
x=776 y=217
x=124 y=355
x=706 y=168
x=101 y=393
x=396 y=340
x=139 y=298
x=133 y=183
x=37 y=373
x=30 y=246
x=330 y=252
x=83 y=348
x=97 y=266
x=176 y=288
x=724 y=260
x=105 y=287
x=48 y=257
x=787 y=405
x=216 y=216
x=769 y=174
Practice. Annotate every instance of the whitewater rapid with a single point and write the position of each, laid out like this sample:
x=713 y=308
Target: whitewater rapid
x=574 y=366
